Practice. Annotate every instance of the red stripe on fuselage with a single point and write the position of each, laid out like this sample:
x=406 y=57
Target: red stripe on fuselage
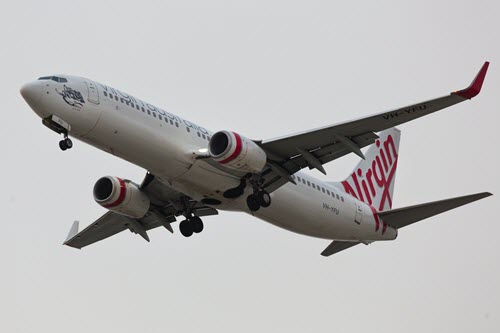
x=121 y=196
x=236 y=152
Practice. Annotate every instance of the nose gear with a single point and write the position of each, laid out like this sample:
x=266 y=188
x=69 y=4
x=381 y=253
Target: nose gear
x=66 y=143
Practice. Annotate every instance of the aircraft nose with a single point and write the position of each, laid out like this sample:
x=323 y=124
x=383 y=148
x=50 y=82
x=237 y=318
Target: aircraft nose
x=32 y=92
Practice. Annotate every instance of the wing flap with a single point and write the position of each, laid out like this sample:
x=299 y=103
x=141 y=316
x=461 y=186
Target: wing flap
x=402 y=217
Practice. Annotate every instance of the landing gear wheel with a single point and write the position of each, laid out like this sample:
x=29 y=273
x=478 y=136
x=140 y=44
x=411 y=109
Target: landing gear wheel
x=69 y=143
x=197 y=224
x=63 y=145
x=186 y=228
x=253 y=202
x=264 y=199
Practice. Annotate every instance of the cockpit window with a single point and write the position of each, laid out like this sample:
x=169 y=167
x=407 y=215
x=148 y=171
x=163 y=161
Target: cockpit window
x=54 y=78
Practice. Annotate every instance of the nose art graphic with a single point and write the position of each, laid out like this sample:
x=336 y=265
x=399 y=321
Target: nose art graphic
x=71 y=97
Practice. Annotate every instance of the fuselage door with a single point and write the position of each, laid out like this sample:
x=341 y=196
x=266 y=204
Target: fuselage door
x=93 y=93
x=358 y=215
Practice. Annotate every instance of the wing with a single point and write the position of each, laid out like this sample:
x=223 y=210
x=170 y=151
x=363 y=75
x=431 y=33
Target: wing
x=166 y=204
x=337 y=246
x=312 y=149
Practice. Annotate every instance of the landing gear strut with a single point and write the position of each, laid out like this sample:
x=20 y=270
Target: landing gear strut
x=259 y=198
x=65 y=143
x=192 y=224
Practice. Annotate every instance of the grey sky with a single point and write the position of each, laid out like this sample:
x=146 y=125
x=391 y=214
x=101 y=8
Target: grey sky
x=264 y=69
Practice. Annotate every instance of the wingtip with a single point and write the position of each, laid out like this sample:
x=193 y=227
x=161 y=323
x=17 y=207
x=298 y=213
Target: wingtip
x=475 y=87
x=72 y=232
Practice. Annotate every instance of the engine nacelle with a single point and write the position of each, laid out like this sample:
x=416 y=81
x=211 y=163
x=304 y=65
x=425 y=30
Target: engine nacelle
x=237 y=152
x=121 y=196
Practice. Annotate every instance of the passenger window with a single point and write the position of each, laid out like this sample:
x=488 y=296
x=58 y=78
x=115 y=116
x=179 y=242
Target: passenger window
x=116 y=97
x=149 y=112
x=159 y=116
x=313 y=185
x=308 y=183
x=338 y=198
x=176 y=124
x=298 y=178
x=154 y=114
x=323 y=189
x=328 y=192
x=203 y=136
x=198 y=134
x=342 y=198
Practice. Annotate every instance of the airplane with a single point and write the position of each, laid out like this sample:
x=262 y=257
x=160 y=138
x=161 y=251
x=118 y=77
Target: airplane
x=193 y=172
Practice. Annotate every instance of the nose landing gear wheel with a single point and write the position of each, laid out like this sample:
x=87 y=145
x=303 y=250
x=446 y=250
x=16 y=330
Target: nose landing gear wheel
x=65 y=144
x=62 y=145
x=69 y=143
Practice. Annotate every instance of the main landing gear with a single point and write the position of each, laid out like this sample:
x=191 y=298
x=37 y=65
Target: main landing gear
x=192 y=224
x=259 y=198
x=65 y=143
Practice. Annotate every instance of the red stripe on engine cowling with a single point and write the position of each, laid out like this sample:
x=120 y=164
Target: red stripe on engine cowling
x=236 y=152
x=121 y=196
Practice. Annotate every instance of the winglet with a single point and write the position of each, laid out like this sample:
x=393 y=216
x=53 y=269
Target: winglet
x=475 y=87
x=72 y=232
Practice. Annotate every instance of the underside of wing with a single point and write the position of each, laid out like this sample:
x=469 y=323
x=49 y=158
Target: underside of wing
x=314 y=148
x=106 y=226
x=166 y=204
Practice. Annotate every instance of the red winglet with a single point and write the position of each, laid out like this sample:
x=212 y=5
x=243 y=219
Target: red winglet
x=475 y=87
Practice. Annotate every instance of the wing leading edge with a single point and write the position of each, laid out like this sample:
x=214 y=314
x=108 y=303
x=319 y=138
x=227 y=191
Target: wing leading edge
x=316 y=147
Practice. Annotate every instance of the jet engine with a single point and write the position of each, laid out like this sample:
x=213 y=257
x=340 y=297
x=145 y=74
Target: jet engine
x=237 y=152
x=121 y=196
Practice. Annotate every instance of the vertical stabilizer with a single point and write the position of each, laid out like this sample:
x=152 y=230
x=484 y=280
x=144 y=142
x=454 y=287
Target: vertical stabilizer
x=372 y=181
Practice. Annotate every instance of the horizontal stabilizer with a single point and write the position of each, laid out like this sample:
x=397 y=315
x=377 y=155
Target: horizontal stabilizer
x=402 y=217
x=337 y=246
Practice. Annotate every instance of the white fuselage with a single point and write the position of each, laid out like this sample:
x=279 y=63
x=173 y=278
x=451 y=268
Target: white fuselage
x=166 y=145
